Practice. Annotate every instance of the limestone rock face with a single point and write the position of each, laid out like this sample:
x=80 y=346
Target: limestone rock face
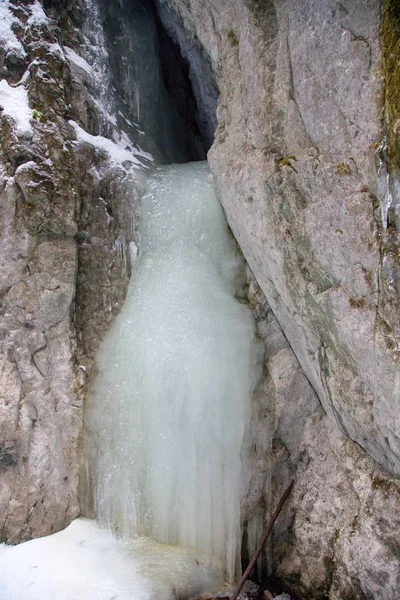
x=39 y=421
x=308 y=185
x=296 y=164
x=300 y=163
x=338 y=535
x=65 y=259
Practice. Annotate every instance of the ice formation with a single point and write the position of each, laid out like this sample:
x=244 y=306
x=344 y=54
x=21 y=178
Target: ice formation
x=167 y=414
x=85 y=562
x=165 y=421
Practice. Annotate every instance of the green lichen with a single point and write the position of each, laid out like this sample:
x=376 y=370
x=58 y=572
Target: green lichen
x=384 y=485
x=343 y=168
x=286 y=161
x=38 y=116
x=336 y=536
x=391 y=71
x=233 y=38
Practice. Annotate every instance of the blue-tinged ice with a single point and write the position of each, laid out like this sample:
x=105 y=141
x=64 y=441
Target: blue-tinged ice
x=167 y=414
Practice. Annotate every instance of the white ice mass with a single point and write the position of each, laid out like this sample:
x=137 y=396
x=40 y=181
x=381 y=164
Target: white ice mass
x=166 y=417
x=84 y=562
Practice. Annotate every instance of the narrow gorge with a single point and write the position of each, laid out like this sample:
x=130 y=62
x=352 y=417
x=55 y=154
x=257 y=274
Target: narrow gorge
x=168 y=373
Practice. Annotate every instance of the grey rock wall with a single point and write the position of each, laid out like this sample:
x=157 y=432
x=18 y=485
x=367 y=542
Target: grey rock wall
x=301 y=172
x=40 y=422
x=337 y=536
x=296 y=164
x=67 y=216
x=299 y=163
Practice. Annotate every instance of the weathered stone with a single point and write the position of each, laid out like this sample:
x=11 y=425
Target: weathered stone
x=294 y=162
x=337 y=536
x=67 y=215
x=40 y=411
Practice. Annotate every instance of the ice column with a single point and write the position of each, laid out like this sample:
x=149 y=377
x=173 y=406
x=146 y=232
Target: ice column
x=167 y=414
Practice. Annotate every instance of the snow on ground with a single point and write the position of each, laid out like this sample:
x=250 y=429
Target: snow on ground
x=119 y=152
x=14 y=102
x=84 y=562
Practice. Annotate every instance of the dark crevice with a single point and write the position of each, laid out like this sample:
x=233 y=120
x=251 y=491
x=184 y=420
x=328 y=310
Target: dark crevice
x=151 y=83
x=162 y=82
x=201 y=71
x=175 y=71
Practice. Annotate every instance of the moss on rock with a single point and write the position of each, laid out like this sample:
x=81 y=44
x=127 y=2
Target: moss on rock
x=391 y=69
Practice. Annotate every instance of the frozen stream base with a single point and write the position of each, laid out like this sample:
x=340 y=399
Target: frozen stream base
x=85 y=562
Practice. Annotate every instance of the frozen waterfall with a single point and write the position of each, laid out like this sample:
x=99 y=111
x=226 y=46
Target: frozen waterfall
x=165 y=425
x=166 y=417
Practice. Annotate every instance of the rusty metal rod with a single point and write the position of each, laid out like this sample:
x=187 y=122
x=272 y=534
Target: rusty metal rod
x=262 y=543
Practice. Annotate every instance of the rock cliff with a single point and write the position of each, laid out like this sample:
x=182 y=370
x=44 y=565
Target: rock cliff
x=40 y=416
x=305 y=159
x=67 y=215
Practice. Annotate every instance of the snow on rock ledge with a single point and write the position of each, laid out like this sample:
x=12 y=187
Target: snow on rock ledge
x=14 y=103
x=118 y=152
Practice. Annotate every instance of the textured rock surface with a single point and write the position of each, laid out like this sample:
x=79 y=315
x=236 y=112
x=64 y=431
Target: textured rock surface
x=305 y=188
x=64 y=263
x=338 y=535
x=295 y=163
x=39 y=421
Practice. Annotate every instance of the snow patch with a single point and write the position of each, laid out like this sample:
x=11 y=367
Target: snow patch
x=32 y=165
x=119 y=152
x=14 y=102
x=26 y=167
x=85 y=562
x=38 y=16
x=7 y=36
x=78 y=60
x=25 y=76
x=131 y=123
x=56 y=49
